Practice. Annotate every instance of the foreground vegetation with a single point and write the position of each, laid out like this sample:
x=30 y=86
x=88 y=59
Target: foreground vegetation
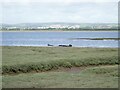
x=59 y=67
x=27 y=59
x=90 y=77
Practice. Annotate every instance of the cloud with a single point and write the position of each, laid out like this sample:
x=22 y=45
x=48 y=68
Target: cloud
x=25 y=2
x=66 y=1
x=70 y=11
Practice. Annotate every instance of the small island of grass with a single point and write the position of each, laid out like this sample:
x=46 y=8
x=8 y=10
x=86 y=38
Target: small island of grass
x=95 y=38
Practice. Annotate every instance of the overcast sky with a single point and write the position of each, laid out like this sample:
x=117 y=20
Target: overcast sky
x=74 y=11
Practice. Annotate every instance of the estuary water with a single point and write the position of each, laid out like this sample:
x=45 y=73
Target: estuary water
x=57 y=38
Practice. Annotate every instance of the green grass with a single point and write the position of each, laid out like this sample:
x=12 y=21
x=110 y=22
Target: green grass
x=95 y=67
x=90 y=77
x=27 y=59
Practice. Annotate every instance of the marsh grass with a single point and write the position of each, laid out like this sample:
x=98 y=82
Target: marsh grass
x=90 y=77
x=27 y=59
x=109 y=70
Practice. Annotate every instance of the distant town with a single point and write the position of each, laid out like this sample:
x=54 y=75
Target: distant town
x=59 y=26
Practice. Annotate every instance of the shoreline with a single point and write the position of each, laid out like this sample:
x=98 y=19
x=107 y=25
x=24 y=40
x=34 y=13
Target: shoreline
x=94 y=38
x=63 y=31
x=62 y=47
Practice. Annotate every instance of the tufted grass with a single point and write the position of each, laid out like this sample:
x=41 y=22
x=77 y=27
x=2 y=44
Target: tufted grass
x=26 y=59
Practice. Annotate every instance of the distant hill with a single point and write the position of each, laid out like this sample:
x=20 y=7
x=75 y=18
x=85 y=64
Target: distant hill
x=59 y=25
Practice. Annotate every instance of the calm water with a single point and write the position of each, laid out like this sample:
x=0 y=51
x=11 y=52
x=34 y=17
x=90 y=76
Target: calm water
x=56 y=38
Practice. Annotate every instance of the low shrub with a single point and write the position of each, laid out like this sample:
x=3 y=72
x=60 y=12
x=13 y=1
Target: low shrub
x=46 y=66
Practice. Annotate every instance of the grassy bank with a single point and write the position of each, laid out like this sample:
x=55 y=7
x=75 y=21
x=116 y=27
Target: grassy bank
x=27 y=59
x=90 y=77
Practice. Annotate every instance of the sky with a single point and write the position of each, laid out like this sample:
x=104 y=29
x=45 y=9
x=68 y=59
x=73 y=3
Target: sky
x=72 y=11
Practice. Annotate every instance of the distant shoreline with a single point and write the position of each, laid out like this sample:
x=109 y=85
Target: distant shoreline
x=62 y=31
x=94 y=38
